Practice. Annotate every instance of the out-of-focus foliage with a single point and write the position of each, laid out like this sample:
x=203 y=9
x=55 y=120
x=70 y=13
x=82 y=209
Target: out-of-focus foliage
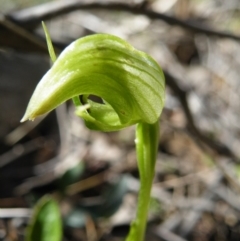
x=46 y=221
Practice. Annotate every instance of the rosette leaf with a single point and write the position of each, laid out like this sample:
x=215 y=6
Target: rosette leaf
x=130 y=83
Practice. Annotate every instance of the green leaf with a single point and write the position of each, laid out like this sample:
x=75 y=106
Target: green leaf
x=129 y=81
x=46 y=222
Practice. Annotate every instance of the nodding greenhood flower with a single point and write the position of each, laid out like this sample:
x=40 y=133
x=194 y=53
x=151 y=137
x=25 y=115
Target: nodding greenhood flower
x=130 y=83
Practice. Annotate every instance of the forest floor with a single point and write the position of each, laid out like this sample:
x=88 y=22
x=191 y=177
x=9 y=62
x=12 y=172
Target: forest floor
x=196 y=190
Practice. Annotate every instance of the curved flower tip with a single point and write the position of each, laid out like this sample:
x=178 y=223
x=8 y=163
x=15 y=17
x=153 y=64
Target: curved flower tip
x=27 y=117
x=129 y=81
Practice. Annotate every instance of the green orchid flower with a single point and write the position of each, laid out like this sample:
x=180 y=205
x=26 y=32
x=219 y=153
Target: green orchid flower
x=132 y=87
x=130 y=82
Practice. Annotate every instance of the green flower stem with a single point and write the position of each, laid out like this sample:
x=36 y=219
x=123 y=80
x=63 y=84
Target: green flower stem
x=147 y=136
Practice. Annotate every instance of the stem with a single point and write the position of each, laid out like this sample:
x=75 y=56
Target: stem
x=147 y=136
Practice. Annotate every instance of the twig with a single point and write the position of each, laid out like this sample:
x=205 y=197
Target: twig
x=21 y=150
x=49 y=171
x=63 y=125
x=183 y=180
x=228 y=196
x=22 y=130
x=167 y=235
x=181 y=94
x=87 y=183
x=16 y=37
x=15 y=212
x=192 y=216
x=31 y=17
x=229 y=173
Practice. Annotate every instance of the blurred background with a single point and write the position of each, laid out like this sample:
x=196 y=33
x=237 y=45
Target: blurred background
x=195 y=195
